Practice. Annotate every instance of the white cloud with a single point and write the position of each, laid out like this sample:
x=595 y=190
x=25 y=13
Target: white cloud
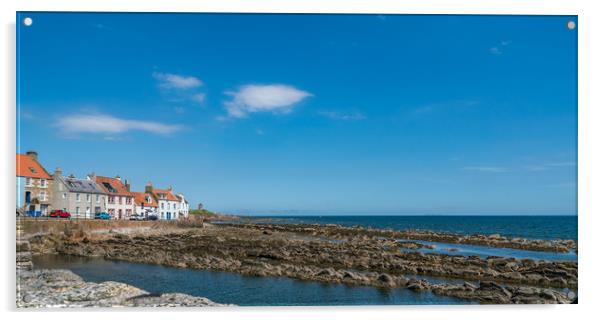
x=198 y=97
x=335 y=115
x=497 y=49
x=486 y=169
x=174 y=81
x=276 y=98
x=106 y=124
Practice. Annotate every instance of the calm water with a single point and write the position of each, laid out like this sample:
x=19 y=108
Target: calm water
x=484 y=252
x=533 y=227
x=225 y=287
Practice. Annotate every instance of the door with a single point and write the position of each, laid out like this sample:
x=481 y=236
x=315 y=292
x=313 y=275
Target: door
x=27 y=196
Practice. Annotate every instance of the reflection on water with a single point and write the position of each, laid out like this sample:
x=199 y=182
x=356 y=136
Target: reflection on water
x=484 y=252
x=226 y=287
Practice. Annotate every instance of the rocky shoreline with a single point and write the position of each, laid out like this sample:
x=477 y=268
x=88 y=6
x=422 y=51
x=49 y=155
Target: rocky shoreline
x=330 y=254
x=63 y=288
x=493 y=240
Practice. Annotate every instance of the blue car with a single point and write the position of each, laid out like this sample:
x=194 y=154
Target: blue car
x=102 y=216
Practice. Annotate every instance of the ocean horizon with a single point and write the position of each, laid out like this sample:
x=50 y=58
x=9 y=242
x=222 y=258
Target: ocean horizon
x=546 y=227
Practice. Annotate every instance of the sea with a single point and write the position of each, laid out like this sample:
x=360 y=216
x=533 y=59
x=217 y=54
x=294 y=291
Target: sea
x=232 y=288
x=531 y=227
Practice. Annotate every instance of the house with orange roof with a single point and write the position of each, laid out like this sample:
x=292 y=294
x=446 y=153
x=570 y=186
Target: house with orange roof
x=33 y=185
x=168 y=203
x=145 y=204
x=119 y=199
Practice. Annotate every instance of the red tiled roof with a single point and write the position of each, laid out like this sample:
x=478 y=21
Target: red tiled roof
x=168 y=194
x=30 y=168
x=140 y=198
x=118 y=188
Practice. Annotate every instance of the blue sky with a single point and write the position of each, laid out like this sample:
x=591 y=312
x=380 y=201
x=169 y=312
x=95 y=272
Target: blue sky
x=318 y=114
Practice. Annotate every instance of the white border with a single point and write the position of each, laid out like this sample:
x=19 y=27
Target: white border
x=590 y=124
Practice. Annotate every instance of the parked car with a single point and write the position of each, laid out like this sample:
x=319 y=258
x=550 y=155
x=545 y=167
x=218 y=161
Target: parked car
x=152 y=217
x=136 y=217
x=102 y=216
x=60 y=214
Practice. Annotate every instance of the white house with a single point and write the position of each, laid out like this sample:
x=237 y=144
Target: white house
x=184 y=206
x=168 y=203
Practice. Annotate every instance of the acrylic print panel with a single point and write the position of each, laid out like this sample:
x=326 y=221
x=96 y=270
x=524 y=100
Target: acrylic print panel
x=295 y=159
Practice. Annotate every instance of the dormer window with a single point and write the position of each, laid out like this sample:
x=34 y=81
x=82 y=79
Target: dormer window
x=32 y=169
x=109 y=187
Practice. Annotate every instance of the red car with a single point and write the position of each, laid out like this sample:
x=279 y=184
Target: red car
x=59 y=214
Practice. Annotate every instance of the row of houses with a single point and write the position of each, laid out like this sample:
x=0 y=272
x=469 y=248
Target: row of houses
x=39 y=192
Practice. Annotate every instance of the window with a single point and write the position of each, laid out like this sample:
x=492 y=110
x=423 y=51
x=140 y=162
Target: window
x=28 y=182
x=64 y=196
x=111 y=199
x=128 y=200
x=87 y=197
x=33 y=170
x=120 y=200
x=162 y=205
x=87 y=210
x=77 y=197
x=43 y=183
x=43 y=196
x=97 y=198
x=128 y=212
x=109 y=187
x=77 y=211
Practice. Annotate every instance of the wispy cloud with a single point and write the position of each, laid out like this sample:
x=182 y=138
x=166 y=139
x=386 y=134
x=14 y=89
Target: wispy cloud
x=335 y=115
x=198 y=97
x=498 y=48
x=452 y=105
x=102 y=26
x=181 y=89
x=562 y=185
x=175 y=81
x=537 y=168
x=491 y=169
x=549 y=166
x=107 y=124
x=562 y=164
x=275 y=98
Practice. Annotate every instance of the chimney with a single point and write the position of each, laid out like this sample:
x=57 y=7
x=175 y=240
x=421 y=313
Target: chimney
x=92 y=176
x=57 y=172
x=32 y=154
x=118 y=177
x=148 y=188
x=127 y=185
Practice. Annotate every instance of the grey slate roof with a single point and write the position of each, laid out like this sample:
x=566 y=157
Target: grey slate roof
x=81 y=185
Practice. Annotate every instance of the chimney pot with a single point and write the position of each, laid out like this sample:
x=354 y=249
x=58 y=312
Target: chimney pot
x=32 y=154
